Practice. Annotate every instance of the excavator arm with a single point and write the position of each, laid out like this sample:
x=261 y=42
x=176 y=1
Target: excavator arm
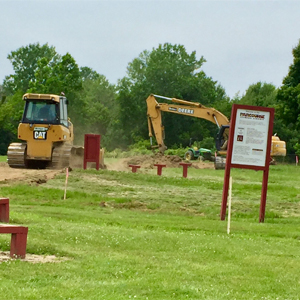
x=155 y=123
x=181 y=107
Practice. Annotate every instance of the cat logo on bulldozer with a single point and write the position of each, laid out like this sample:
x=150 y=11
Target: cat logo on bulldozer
x=40 y=135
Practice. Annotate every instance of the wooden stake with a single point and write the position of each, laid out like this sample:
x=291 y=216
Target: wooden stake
x=66 y=183
x=229 y=205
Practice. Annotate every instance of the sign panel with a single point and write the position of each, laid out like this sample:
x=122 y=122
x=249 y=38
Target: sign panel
x=250 y=137
x=249 y=147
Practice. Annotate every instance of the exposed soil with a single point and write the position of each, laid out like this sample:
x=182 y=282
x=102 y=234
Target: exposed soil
x=33 y=258
x=39 y=176
x=8 y=174
x=149 y=161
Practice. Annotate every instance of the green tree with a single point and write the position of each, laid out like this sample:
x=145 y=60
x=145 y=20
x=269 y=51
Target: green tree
x=11 y=110
x=39 y=69
x=264 y=94
x=25 y=64
x=98 y=106
x=260 y=94
x=288 y=98
x=88 y=73
x=61 y=75
x=169 y=71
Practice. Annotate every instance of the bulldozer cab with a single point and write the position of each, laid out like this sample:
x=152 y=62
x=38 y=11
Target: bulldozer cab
x=40 y=112
x=46 y=111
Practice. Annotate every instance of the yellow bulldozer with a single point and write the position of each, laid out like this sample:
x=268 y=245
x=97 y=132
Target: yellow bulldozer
x=46 y=133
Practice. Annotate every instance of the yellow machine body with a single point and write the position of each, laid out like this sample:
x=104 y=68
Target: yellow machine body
x=40 y=139
x=46 y=133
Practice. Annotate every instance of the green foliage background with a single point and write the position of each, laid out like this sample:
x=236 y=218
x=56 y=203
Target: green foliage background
x=118 y=112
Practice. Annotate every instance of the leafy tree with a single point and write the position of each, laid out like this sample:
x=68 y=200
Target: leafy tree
x=265 y=94
x=87 y=73
x=39 y=69
x=25 y=64
x=11 y=110
x=169 y=71
x=260 y=94
x=288 y=98
x=98 y=106
x=60 y=75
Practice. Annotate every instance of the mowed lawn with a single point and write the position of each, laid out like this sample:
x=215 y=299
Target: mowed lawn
x=141 y=236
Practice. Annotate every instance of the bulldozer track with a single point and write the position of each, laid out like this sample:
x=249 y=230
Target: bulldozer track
x=16 y=155
x=61 y=156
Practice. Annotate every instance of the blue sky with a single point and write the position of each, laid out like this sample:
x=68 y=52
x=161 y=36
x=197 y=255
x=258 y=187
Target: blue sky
x=243 y=41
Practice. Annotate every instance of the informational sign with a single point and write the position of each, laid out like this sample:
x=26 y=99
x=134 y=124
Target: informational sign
x=249 y=147
x=250 y=137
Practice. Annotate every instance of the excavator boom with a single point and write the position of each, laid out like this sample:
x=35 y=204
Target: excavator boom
x=182 y=107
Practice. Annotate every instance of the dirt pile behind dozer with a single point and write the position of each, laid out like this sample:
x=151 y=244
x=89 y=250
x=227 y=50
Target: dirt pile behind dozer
x=77 y=156
x=148 y=162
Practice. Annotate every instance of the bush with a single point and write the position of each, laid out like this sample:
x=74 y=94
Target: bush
x=140 y=148
x=143 y=147
x=179 y=151
x=208 y=143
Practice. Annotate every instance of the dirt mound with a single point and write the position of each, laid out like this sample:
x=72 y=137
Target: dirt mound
x=148 y=162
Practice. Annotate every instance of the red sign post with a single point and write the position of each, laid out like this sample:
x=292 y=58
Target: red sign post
x=249 y=147
x=91 y=149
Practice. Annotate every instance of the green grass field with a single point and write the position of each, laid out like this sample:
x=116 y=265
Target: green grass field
x=142 y=236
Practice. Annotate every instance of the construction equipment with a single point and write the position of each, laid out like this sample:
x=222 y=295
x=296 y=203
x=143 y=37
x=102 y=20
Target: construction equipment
x=194 y=153
x=202 y=154
x=46 y=133
x=196 y=110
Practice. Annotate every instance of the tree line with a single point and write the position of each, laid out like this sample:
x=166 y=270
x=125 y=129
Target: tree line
x=118 y=112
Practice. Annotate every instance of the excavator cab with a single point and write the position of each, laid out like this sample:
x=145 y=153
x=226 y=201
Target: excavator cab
x=222 y=139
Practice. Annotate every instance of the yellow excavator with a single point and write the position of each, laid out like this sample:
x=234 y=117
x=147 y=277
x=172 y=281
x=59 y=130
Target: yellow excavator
x=196 y=110
x=46 y=133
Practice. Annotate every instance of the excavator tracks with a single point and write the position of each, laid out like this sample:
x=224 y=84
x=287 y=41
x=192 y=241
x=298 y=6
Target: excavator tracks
x=16 y=155
x=220 y=163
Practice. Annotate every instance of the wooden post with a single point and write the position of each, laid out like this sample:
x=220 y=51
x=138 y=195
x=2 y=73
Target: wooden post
x=229 y=205
x=66 y=183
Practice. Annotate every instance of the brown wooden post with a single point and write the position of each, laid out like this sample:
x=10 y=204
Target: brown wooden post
x=91 y=149
x=134 y=168
x=185 y=167
x=4 y=210
x=159 y=168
